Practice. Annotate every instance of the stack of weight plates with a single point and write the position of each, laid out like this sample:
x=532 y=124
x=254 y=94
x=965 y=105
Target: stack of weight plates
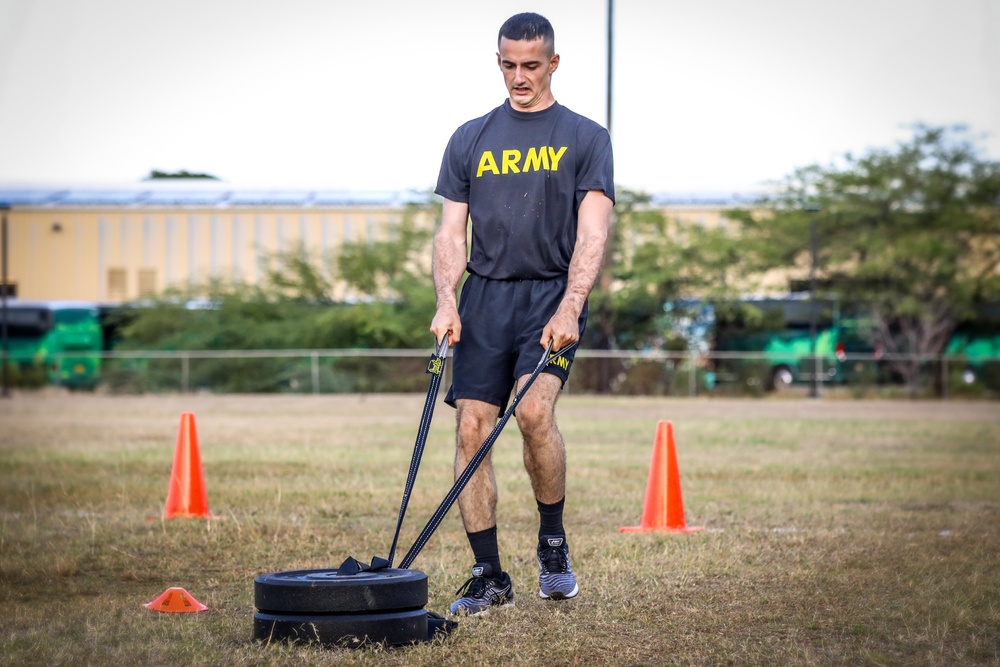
x=337 y=609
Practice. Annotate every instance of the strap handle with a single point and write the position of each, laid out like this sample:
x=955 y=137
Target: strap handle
x=436 y=369
x=547 y=357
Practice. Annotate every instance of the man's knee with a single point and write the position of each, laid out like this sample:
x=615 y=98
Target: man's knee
x=469 y=434
x=535 y=417
x=536 y=412
x=475 y=421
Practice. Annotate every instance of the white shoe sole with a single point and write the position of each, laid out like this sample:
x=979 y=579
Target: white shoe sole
x=560 y=596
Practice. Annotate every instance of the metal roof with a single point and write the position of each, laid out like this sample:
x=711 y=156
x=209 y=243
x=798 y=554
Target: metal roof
x=219 y=195
x=97 y=198
x=26 y=197
x=705 y=198
x=183 y=198
x=270 y=198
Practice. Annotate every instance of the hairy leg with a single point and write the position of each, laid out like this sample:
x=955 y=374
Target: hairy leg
x=478 y=501
x=544 y=450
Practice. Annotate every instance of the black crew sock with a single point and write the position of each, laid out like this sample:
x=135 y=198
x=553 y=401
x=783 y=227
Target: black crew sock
x=485 y=549
x=551 y=519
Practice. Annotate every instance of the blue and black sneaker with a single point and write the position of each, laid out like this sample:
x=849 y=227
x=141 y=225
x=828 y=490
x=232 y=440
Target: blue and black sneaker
x=556 y=580
x=482 y=592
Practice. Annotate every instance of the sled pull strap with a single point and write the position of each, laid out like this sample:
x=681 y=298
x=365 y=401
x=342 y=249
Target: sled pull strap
x=435 y=367
x=477 y=459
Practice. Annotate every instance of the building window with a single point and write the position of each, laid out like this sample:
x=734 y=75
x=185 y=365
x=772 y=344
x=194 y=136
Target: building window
x=147 y=282
x=117 y=284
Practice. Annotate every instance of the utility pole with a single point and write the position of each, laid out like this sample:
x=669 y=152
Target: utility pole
x=4 y=387
x=604 y=306
x=817 y=363
x=611 y=51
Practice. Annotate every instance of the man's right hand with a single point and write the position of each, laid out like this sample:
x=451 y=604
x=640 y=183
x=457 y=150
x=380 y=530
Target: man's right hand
x=446 y=321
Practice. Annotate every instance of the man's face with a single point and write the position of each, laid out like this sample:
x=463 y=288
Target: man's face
x=527 y=68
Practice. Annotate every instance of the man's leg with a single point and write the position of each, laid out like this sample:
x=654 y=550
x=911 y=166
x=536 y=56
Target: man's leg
x=545 y=460
x=544 y=451
x=478 y=501
x=489 y=585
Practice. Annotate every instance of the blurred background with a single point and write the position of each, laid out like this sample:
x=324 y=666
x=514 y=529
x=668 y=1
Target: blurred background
x=714 y=96
x=235 y=196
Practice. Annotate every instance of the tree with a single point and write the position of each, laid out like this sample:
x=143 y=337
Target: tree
x=392 y=286
x=655 y=261
x=909 y=236
x=294 y=306
x=157 y=175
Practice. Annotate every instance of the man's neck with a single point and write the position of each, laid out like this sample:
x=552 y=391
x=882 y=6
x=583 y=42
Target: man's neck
x=541 y=105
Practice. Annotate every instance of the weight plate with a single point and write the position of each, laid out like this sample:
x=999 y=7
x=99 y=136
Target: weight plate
x=351 y=630
x=329 y=591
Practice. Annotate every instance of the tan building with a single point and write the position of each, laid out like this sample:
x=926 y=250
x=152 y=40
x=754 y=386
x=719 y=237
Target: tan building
x=114 y=245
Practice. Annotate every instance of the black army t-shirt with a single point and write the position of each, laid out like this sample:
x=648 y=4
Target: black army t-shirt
x=523 y=175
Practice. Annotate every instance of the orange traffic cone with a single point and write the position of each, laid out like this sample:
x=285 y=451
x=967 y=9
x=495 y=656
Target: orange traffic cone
x=177 y=600
x=663 y=510
x=186 y=495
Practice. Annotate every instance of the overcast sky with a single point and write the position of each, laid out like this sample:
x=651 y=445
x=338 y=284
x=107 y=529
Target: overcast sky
x=709 y=95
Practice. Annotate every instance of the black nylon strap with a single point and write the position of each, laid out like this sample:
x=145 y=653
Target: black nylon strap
x=476 y=460
x=436 y=369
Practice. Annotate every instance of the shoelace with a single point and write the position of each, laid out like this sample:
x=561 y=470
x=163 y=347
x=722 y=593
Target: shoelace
x=473 y=585
x=554 y=560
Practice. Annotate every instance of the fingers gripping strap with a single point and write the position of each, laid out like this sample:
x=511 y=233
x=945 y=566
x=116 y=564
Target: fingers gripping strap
x=477 y=459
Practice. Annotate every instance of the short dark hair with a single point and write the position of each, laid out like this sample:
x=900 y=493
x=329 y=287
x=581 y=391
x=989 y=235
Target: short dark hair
x=528 y=26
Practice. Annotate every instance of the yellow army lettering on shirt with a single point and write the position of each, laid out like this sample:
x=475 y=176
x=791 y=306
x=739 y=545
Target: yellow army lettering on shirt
x=536 y=159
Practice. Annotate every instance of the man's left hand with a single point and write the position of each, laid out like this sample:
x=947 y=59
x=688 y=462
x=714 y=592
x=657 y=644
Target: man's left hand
x=562 y=330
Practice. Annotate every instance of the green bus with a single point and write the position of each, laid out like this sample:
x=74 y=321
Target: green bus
x=975 y=348
x=58 y=341
x=779 y=333
x=762 y=344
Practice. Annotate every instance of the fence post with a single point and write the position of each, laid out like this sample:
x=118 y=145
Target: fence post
x=944 y=377
x=185 y=372
x=315 y=371
x=692 y=378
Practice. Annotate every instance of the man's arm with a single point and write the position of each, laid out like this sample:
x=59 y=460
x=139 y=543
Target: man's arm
x=591 y=237
x=450 y=258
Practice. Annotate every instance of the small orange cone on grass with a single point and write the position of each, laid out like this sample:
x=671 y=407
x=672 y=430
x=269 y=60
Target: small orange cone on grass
x=175 y=599
x=663 y=509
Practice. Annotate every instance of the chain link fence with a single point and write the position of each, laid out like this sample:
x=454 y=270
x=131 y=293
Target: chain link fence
x=644 y=373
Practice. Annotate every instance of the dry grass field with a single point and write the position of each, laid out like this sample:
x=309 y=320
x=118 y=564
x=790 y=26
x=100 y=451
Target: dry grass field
x=836 y=532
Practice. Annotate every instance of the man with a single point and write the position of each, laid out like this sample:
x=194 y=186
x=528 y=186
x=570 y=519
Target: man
x=537 y=181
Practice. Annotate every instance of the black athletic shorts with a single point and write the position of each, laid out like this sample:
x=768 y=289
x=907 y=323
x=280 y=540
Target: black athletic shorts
x=502 y=322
